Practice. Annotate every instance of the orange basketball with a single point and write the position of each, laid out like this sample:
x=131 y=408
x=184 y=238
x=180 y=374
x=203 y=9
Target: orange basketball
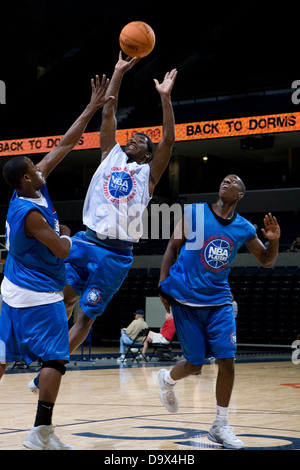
x=137 y=39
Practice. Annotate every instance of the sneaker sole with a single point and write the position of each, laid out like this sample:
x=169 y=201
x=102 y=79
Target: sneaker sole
x=224 y=444
x=31 y=446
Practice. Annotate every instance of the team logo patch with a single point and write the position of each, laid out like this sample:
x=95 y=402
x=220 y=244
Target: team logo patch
x=233 y=338
x=120 y=185
x=216 y=253
x=94 y=296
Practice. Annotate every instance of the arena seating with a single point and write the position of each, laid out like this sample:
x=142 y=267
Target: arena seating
x=268 y=302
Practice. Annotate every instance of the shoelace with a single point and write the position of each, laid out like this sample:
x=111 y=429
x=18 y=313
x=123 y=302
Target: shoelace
x=229 y=431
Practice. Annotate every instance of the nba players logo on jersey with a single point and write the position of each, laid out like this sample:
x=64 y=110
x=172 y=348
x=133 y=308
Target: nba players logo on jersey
x=125 y=190
x=93 y=296
x=216 y=253
x=120 y=186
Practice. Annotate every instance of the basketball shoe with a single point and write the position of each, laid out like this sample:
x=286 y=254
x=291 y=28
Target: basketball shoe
x=33 y=385
x=43 y=438
x=222 y=434
x=167 y=393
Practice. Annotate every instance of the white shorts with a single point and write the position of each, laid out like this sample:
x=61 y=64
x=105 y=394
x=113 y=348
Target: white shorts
x=159 y=338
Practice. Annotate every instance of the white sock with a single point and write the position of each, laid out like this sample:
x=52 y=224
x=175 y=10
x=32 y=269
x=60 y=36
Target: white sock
x=168 y=379
x=222 y=413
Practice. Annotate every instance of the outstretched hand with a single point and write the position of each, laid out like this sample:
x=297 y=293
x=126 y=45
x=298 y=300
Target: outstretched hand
x=98 y=98
x=166 y=86
x=125 y=64
x=272 y=229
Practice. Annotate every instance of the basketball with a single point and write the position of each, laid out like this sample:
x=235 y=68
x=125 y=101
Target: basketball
x=137 y=39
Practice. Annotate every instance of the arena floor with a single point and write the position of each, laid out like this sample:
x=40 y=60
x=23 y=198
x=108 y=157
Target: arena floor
x=105 y=406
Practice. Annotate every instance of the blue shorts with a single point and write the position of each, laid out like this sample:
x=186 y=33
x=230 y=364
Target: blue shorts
x=96 y=273
x=34 y=333
x=204 y=332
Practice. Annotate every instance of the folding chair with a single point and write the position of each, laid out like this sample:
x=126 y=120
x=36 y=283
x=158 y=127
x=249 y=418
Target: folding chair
x=138 y=345
x=162 y=351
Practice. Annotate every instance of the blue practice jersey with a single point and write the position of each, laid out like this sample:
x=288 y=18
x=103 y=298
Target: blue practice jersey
x=200 y=275
x=30 y=264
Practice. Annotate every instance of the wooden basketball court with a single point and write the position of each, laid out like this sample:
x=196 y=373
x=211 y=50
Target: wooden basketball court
x=114 y=408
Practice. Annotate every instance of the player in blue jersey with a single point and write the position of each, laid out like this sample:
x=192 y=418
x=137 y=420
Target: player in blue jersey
x=33 y=320
x=195 y=284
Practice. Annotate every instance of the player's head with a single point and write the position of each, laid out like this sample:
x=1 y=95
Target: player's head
x=20 y=171
x=140 y=148
x=232 y=189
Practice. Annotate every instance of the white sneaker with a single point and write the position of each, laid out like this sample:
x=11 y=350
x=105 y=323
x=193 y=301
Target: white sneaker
x=32 y=387
x=121 y=359
x=222 y=434
x=167 y=393
x=43 y=438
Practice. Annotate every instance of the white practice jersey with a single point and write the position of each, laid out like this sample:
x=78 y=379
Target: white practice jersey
x=116 y=198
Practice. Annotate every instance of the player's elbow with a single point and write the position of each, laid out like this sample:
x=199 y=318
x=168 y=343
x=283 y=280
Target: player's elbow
x=267 y=261
x=267 y=264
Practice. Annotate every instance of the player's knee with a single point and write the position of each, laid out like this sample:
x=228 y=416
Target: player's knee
x=54 y=365
x=196 y=369
x=193 y=369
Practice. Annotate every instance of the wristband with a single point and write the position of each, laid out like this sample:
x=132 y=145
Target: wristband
x=68 y=238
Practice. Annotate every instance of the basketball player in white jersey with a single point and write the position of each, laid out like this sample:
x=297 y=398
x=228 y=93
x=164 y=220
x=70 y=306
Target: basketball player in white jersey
x=101 y=257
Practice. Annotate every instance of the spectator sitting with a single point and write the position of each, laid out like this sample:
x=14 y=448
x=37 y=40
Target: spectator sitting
x=128 y=334
x=295 y=246
x=165 y=335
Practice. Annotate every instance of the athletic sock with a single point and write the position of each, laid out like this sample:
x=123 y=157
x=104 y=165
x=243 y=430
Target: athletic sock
x=222 y=413
x=168 y=379
x=43 y=413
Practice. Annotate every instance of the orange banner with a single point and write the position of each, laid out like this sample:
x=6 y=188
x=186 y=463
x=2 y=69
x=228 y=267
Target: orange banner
x=269 y=124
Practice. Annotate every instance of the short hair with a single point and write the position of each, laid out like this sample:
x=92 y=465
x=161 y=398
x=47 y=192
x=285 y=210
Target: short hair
x=150 y=144
x=14 y=170
x=242 y=185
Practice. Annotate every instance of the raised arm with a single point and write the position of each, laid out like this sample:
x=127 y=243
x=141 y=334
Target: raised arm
x=109 y=122
x=98 y=99
x=163 y=150
x=266 y=256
